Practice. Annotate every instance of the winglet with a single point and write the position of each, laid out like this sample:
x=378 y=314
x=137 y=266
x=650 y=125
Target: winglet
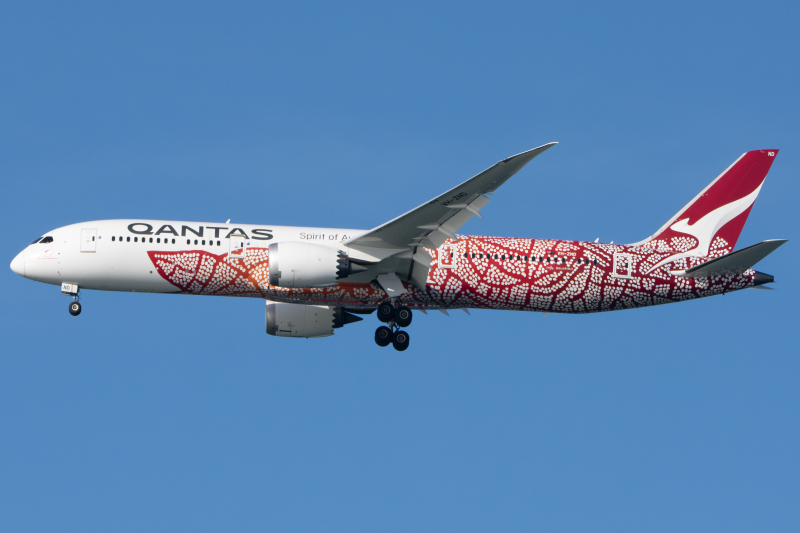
x=533 y=152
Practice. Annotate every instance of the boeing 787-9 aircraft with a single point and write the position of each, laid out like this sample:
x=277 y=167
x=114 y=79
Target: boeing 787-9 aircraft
x=315 y=280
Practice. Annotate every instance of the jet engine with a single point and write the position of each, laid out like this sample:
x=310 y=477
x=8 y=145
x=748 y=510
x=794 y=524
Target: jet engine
x=302 y=265
x=297 y=320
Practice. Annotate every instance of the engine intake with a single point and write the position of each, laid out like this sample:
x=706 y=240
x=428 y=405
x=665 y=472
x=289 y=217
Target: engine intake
x=302 y=265
x=309 y=321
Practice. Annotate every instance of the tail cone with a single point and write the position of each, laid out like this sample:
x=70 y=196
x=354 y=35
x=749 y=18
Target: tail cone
x=761 y=278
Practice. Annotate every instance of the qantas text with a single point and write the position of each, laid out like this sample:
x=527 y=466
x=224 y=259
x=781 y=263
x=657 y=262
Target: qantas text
x=142 y=228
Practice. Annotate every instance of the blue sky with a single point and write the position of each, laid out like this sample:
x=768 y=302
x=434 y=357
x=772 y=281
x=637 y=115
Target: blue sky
x=166 y=413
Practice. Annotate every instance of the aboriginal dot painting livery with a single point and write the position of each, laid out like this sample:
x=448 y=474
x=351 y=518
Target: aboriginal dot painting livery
x=315 y=280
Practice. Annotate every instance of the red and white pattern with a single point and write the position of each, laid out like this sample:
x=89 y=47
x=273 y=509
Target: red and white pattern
x=485 y=273
x=528 y=274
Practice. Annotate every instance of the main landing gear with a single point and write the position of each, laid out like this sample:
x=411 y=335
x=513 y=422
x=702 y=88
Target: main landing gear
x=395 y=317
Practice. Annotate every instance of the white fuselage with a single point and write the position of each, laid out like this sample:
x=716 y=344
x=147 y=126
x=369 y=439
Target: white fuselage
x=107 y=255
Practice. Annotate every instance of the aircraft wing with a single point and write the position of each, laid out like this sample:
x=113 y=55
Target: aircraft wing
x=402 y=241
x=435 y=221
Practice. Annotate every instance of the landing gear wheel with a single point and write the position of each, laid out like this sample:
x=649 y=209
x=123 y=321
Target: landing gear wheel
x=403 y=317
x=74 y=308
x=386 y=312
x=400 y=340
x=383 y=336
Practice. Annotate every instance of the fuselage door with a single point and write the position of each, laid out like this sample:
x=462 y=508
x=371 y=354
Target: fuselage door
x=88 y=240
x=623 y=266
x=446 y=256
x=238 y=248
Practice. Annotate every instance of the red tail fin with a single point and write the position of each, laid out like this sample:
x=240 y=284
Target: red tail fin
x=711 y=223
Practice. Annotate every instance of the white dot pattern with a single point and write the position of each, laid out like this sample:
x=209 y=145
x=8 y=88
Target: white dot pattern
x=557 y=276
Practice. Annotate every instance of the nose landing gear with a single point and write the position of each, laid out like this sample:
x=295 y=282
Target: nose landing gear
x=73 y=290
x=395 y=318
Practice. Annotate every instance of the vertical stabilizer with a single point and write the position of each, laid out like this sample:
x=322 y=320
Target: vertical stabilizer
x=711 y=223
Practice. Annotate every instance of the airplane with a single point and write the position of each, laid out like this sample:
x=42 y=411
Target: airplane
x=315 y=280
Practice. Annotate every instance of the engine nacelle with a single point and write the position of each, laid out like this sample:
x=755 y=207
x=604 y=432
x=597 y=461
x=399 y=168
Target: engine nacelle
x=302 y=265
x=298 y=320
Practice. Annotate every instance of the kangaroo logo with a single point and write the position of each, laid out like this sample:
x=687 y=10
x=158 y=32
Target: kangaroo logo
x=704 y=229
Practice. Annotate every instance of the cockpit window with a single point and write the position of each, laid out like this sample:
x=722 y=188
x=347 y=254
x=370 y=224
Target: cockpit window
x=37 y=240
x=46 y=240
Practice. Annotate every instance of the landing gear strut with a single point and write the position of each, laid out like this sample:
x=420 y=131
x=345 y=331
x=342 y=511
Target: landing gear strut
x=395 y=318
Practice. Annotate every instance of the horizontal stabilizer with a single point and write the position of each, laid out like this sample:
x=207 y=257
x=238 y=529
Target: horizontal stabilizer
x=733 y=263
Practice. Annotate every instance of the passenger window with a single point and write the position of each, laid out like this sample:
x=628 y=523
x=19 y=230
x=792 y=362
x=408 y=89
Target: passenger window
x=151 y=239
x=136 y=239
x=129 y=239
x=92 y=239
x=173 y=241
x=204 y=242
x=113 y=238
x=217 y=243
x=195 y=241
x=595 y=261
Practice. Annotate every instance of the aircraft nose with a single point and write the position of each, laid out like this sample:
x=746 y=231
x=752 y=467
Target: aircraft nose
x=18 y=264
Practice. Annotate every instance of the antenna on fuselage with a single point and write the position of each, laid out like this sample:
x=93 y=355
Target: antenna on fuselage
x=228 y=221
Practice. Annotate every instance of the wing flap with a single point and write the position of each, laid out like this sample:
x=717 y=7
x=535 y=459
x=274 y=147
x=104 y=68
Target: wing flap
x=420 y=268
